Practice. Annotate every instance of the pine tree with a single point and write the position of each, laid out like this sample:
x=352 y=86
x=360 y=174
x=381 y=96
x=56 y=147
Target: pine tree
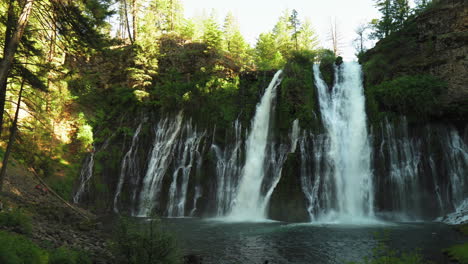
x=295 y=24
x=400 y=12
x=267 y=55
x=282 y=33
x=234 y=42
x=307 y=37
x=212 y=34
x=384 y=26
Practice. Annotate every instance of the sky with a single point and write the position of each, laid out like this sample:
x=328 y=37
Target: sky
x=258 y=16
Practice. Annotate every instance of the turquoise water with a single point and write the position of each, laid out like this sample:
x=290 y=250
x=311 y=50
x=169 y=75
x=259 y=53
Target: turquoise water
x=238 y=243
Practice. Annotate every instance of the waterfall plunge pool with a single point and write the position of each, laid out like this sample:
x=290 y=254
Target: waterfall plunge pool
x=280 y=243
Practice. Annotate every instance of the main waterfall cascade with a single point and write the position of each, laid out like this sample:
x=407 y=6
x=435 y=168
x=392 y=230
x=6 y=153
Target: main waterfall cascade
x=347 y=173
x=347 y=183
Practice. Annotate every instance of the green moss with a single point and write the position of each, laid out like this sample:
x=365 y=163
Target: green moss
x=327 y=61
x=16 y=219
x=458 y=253
x=63 y=255
x=383 y=254
x=415 y=95
x=463 y=229
x=16 y=249
x=297 y=96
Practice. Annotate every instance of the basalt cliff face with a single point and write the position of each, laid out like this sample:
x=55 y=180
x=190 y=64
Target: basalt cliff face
x=434 y=43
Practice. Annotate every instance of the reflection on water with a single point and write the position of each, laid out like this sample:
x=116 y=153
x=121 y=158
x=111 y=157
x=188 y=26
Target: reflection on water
x=280 y=243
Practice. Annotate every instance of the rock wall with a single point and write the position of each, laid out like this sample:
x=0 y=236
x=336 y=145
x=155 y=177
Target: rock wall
x=433 y=42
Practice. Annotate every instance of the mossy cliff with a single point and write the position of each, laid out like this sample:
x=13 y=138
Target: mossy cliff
x=420 y=71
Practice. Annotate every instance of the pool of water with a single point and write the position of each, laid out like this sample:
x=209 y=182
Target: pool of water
x=219 y=242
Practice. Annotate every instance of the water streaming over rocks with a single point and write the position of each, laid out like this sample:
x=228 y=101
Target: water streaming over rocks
x=129 y=165
x=424 y=170
x=395 y=170
x=86 y=172
x=228 y=169
x=348 y=152
x=249 y=202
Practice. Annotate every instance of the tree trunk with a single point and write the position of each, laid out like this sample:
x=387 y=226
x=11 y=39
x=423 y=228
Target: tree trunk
x=10 y=24
x=128 y=21
x=10 y=50
x=135 y=19
x=11 y=139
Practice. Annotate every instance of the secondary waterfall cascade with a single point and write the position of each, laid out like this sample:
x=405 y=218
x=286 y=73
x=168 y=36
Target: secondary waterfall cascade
x=175 y=143
x=249 y=202
x=427 y=172
x=85 y=175
x=187 y=157
x=228 y=169
x=348 y=150
x=86 y=172
x=129 y=165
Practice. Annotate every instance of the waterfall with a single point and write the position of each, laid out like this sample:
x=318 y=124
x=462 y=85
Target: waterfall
x=186 y=154
x=249 y=203
x=128 y=167
x=423 y=168
x=344 y=118
x=166 y=134
x=198 y=195
x=228 y=169
x=456 y=158
x=86 y=172
x=294 y=135
x=316 y=174
x=85 y=175
x=404 y=163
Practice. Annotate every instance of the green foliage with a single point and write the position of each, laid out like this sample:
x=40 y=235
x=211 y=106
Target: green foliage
x=289 y=34
x=413 y=95
x=63 y=255
x=63 y=186
x=267 y=56
x=297 y=99
x=16 y=249
x=394 y=14
x=327 y=61
x=383 y=254
x=234 y=43
x=463 y=228
x=85 y=132
x=459 y=253
x=16 y=219
x=143 y=243
x=212 y=34
x=307 y=37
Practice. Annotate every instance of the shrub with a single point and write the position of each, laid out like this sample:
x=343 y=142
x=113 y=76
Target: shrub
x=143 y=243
x=16 y=249
x=327 y=61
x=16 y=219
x=412 y=95
x=459 y=253
x=64 y=255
